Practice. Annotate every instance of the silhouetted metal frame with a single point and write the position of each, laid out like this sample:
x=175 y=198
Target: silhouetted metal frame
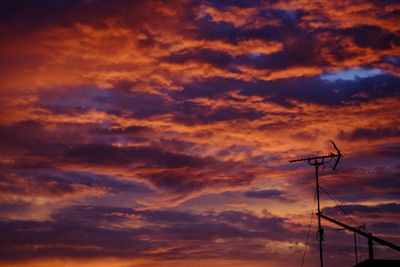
x=367 y=235
x=317 y=162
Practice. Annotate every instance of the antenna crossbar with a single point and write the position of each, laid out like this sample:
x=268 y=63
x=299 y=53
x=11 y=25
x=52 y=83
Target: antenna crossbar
x=330 y=156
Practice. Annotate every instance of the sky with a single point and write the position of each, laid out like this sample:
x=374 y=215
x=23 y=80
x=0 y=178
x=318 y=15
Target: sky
x=158 y=133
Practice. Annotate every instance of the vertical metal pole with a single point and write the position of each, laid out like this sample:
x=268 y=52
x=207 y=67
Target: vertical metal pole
x=370 y=248
x=355 y=247
x=320 y=230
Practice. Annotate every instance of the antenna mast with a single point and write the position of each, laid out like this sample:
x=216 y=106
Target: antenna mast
x=317 y=162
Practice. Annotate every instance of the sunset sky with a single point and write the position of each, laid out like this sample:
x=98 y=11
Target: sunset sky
x=158 y=133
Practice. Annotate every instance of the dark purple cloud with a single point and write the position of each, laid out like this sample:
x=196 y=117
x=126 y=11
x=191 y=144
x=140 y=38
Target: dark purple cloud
x=23 y=135
x=381 y=184
x=371 y=134
x=323 y=92
x=55 y=183
x=129 y=130
x=82 y=236
x=201 y=115
x=53 y=150
x=372 y=37
x=209 y=30
x=62 y=239
x=218 y=59
x=379 y=210
x=273 y=194
x=330 y=93
x=241 y=3
x=283 y=59
x=120 y=101
x=26 y=16
x=102 y=154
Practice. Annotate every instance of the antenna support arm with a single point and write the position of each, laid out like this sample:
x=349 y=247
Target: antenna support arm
x=367 y=235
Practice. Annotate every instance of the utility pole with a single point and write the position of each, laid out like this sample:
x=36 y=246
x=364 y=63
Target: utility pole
x=317 y=162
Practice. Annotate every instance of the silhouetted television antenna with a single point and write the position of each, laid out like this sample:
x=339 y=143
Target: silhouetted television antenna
x=317 y=162
x=371 y=262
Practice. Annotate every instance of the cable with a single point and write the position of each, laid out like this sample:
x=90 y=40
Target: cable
x=309 y=230
x=357 y=244
x=391 y=250
x=360 y=248
x=339 y=206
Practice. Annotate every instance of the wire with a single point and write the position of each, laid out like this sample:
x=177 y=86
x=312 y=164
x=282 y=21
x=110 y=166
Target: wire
x=357 y=223
x=360 y=248
x=391 y=250
x=357 y=244
x=309 y=230
x=339 y=206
